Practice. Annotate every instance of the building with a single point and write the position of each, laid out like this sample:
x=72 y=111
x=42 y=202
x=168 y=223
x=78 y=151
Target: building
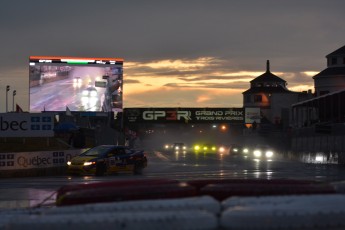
x=270 y=93
x=332 y=78
x=319 y=122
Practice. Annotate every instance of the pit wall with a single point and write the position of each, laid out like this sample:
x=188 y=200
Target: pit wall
x=328 y=139
x=45 y=163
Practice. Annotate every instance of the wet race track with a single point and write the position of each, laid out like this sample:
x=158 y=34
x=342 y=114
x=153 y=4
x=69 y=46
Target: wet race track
x=34 y=191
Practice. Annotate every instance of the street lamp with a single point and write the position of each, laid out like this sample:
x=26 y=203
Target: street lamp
x=7 y=89
x=14 y=94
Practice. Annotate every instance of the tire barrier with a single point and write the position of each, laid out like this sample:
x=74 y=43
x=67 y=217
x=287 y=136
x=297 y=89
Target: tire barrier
x=339 y=186
x=125 y=193
x=202 y=183
x=108 y=184
x=284 y=212
x=224 y=191
x=138 y=189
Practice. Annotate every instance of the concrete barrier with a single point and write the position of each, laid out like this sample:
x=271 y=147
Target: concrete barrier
x=186 y=213
x=284 y=212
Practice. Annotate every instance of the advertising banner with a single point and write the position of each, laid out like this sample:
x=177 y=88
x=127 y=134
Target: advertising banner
x=26 y=125
x=34 y=160
x=186 y=115
x=251 y=115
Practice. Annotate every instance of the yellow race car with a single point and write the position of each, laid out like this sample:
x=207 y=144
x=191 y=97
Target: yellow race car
x=107 y=159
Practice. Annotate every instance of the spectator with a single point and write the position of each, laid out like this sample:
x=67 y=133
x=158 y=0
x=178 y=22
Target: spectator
x=254 y=125
x=79 y=139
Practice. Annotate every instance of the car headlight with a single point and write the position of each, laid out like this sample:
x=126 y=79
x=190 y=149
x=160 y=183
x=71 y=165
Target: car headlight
x=166 y=146
x=245 y=150
x=69 y=162
x=88 y=163
x=177 y=148
x=197 y=147
x=214 y=148
x=235 y=150
x=85 y=93
x=205 y=148
x=93 y=93
x=257 y=153
x=221 y=149
x=269 y=154
x=184 y=147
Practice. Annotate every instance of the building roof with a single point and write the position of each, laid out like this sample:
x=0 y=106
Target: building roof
x=267 y=76
x=278 y=89
x=340 y=51
x=319 y=97
x=331 y=71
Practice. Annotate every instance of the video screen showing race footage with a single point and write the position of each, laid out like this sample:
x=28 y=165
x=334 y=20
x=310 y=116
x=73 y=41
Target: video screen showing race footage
x=84 y=85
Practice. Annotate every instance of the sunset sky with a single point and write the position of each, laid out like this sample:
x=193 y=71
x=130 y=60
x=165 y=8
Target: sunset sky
x=182 y=53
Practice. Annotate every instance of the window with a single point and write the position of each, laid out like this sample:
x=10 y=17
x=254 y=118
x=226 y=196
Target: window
x=334 y=61
x=257 y=98
x=247 y=98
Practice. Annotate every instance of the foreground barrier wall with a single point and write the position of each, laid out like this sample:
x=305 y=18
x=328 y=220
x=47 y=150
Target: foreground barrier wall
x=199 y=213
x=35 y=163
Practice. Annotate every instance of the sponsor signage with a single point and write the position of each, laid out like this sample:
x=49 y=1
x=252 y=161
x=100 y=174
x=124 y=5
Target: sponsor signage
x=251 y=115
x=32 y=160
x=186 y=115
x=101 y=84
x=26 y=125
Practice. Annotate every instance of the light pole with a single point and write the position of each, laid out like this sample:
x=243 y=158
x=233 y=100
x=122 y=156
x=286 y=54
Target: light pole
x=14 y=94
x=7 y=89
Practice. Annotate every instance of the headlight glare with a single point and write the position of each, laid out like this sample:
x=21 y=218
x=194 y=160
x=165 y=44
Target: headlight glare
x=88 y=163
x=257 y=153
x=269 y=154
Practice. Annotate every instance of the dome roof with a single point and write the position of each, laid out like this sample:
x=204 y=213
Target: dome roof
x=267 y=76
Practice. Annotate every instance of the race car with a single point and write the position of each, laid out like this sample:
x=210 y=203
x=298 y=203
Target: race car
x=263 y=152
x=205 y=148
x=108 y=159
x=176 y=147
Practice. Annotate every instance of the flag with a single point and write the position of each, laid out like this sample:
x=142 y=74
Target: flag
x=68 y=112
x=19 y=109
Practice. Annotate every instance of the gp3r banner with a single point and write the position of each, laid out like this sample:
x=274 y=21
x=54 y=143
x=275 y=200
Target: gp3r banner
x=26 y=125
x=186 y=115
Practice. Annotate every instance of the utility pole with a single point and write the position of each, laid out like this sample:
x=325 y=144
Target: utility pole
x=14 y=94
x=7 y=89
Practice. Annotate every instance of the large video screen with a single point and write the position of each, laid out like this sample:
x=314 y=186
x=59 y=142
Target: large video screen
x=75 y=84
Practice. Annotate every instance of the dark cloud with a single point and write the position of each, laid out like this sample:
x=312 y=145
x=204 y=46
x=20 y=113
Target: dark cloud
x=203 y=78
x=153 y=30
x=230 y=86
x=131 y=81
x=240 y=35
